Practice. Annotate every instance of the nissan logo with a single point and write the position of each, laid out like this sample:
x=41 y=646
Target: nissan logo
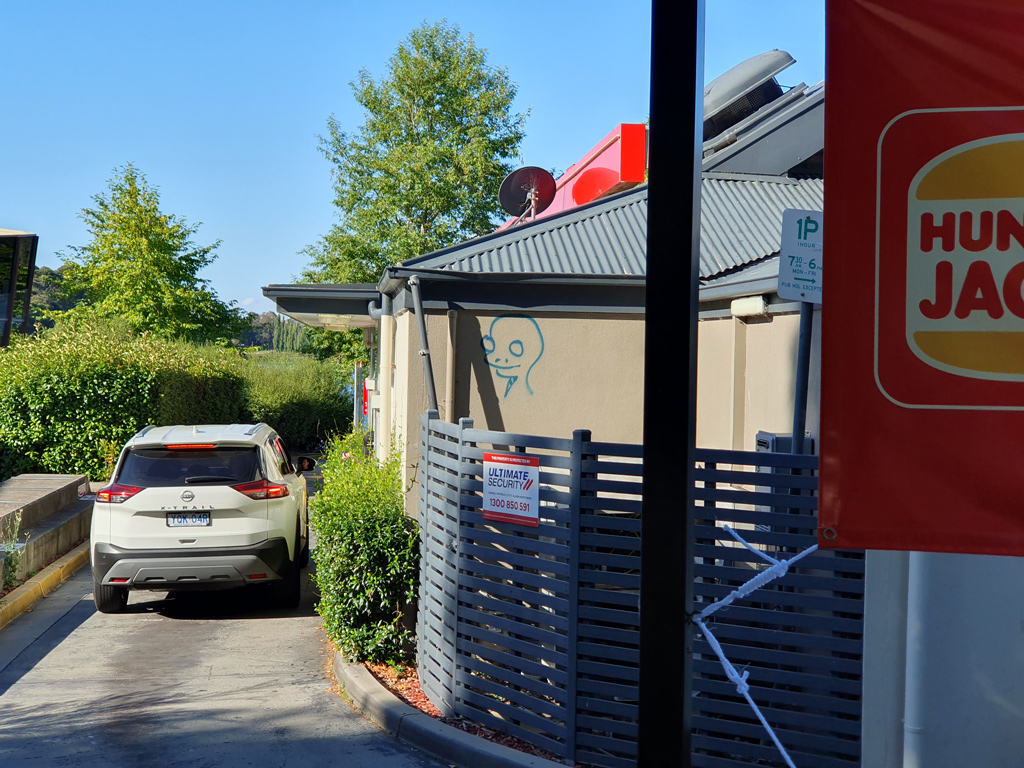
x=187 y=496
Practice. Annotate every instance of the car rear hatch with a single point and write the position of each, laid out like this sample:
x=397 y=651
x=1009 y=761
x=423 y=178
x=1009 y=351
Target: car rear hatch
x=191 y=496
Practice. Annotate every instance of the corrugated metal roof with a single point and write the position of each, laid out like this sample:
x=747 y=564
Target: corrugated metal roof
x=741 y=223
x=608 y=237
x=741 y=217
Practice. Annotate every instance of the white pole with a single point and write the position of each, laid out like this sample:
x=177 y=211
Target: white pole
x=385 y=370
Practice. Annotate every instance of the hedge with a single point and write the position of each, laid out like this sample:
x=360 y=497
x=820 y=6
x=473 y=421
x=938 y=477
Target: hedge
x=72 y=396
x=302 y=398
x=69 y=399
x=367 y=554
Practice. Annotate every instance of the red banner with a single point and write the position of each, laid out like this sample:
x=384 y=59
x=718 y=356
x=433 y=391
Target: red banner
x=922 y=412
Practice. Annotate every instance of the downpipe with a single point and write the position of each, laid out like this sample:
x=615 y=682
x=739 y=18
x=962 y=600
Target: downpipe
x=421 y=324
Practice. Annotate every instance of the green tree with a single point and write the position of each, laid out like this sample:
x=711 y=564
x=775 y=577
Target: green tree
x=423 y=170
x=261 y=330
x=142 y=266
x=49 y=295
x=288 y=335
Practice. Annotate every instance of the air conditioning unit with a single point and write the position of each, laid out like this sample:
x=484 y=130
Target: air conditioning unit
x=743 y=90
x=774 y=442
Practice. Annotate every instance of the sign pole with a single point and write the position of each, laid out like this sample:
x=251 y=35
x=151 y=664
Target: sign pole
x=803 y=365
x=800 y=273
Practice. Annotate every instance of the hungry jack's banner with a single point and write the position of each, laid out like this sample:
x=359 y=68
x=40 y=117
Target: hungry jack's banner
x=922 y=412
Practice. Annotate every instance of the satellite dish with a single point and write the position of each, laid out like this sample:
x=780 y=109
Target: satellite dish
x=527 y=191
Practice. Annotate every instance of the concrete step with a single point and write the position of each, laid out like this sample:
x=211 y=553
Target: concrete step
x=55 y=514
x=39 y=496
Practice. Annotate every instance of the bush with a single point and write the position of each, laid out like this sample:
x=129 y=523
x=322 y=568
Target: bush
x=70 y=399
x=367 y=553
x=298 y=396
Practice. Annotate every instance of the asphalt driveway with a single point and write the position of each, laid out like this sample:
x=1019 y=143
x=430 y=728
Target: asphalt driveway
x=210 y=679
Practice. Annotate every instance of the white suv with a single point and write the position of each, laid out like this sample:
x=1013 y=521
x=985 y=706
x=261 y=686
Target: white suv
x=201 y=507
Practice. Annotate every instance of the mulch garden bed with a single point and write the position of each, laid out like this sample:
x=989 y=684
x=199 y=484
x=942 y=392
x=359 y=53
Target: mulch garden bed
x=405 y=684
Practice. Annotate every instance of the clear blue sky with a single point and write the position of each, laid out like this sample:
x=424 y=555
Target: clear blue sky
x=220 y=102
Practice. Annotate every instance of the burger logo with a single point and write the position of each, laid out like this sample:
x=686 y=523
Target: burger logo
x=965 y=260
x=949 y=259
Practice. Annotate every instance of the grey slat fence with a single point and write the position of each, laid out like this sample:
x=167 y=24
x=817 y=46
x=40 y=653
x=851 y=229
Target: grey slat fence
x=535 y=631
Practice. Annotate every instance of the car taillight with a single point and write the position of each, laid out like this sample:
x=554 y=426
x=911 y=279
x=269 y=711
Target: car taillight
x=115 y=494
x=262 y=489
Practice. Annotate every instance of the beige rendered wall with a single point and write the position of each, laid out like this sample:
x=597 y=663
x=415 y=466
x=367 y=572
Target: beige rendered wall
x=746 y=379
x=718 y=372
x=407 y=383
x=771 y=370
x=586 y=372
x=573 y=372
x=410 y=400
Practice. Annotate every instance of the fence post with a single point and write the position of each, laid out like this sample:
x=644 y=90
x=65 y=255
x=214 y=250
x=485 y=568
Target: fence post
x=579 y=437
x=425 y=421
x=426 y=550
x=456 y=548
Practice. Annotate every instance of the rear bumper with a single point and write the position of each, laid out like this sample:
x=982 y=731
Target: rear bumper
x=165 y=569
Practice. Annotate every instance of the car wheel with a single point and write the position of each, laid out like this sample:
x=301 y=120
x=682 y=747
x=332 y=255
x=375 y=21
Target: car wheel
x=109 y=599
x=287 y=591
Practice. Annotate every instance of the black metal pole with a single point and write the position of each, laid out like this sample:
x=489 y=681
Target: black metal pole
x=11 y=295
x=803 y=364
x=673 y=271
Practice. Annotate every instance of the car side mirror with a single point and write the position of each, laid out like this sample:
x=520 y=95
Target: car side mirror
x=305 y=464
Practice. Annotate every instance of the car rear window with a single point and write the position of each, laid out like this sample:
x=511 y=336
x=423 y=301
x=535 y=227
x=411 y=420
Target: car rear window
x=162 y=467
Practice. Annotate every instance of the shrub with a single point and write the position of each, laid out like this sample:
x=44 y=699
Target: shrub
x=300 y=397
x=367 y=553
x=71 y=397
x=10 y=555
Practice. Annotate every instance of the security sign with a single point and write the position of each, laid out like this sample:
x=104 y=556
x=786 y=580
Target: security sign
x=922 y=372
x=512 y=488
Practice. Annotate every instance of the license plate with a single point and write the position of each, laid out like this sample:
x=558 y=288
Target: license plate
x=187 y=519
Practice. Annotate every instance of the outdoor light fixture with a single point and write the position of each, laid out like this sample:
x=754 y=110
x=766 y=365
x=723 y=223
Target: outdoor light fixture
x=17 y=271
x=749 y=306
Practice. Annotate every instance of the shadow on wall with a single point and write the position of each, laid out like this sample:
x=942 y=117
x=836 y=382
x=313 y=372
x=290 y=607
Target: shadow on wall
x=471 y=340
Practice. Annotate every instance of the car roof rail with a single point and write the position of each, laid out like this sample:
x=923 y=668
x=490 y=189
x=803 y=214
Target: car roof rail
x=145 y=429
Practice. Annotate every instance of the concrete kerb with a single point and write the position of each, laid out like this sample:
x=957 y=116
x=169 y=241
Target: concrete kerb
x=43 y=583
x=407 y=724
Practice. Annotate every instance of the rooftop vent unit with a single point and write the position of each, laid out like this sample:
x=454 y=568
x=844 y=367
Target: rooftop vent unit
x=742 y=91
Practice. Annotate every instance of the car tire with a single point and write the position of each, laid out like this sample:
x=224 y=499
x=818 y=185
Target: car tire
x=287 y=591
x=302 y=557
x=109 y=599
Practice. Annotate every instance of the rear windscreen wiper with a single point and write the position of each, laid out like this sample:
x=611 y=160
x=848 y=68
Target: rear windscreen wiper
x=208 y=478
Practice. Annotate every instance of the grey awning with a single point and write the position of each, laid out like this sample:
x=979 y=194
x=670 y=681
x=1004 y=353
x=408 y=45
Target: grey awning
x=324 y=305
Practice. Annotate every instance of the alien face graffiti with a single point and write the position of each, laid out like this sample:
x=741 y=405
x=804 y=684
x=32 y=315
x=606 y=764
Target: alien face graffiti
x=513 y=347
